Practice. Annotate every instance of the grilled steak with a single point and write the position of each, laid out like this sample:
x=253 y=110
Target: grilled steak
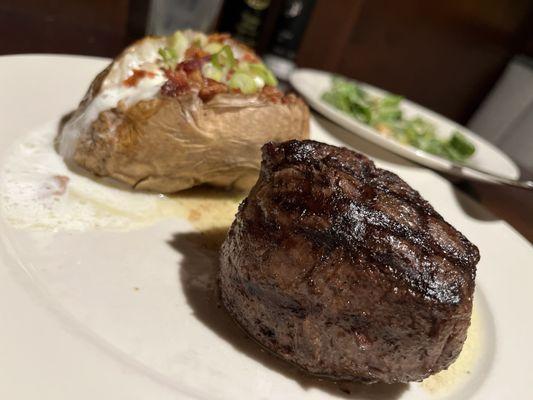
x=344 y=270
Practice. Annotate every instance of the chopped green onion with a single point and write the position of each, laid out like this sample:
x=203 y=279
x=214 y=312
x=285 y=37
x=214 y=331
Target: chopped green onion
x=243 y=66
x=224 y=58
x=259 y=72
x=169 y=56
x=199 y=40
x=244 y=82
x=179 y=43
x=259 y=82
x=212 y=72
x=264 y=73
x=213 y=47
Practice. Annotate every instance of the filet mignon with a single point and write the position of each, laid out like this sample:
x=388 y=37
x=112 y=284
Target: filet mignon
x=342 y=268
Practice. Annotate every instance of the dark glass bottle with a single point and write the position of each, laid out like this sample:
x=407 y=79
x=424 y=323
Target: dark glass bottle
x=285 y=41
x=244 y=19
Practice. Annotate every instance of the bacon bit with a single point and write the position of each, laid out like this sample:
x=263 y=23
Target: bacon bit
x=211 y=88
x=290 y=98
x=195 y=76
x=250 y=57
x=177 y=75
x=218 y=37
x=195 y=52
x=272 y=94
x=55 y=186
x=138 y=74
x=193 y=64
x=61 y=182
x=177 y=83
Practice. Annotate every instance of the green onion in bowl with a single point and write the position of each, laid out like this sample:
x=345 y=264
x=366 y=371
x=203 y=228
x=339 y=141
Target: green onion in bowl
x=385 y=116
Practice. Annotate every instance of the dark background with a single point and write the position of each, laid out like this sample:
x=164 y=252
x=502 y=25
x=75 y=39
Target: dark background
x=445 y=55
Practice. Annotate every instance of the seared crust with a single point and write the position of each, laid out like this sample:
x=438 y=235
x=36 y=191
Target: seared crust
x=344 y=270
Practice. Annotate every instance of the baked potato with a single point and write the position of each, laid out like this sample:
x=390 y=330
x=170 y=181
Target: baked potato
x=173 y=112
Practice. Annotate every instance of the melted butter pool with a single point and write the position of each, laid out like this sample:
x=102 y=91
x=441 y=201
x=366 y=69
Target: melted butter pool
x=458 y=374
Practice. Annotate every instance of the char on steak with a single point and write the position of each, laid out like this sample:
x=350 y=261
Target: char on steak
x=343 y=269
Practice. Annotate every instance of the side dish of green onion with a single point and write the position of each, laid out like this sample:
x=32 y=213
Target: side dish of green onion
x=384 y=115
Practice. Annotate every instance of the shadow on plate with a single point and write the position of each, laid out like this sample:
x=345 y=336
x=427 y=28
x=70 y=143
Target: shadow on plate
x=513 y=205
x=198 y=275
x=468 y=199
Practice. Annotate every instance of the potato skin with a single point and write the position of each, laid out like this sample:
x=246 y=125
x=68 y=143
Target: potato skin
x=167 y=144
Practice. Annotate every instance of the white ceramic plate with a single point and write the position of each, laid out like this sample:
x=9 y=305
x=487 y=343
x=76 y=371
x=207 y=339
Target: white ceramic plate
x=311 y=84
x=129 y=313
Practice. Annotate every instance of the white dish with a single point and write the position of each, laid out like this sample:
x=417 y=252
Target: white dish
x=128 y=312
x=311 y=84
